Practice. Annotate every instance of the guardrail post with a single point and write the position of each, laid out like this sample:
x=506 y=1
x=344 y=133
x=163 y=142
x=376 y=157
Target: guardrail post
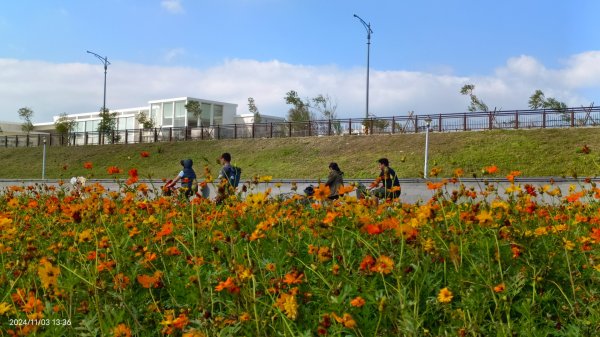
x=234 y=131
x=572 y=118
x=271 y=129
x=253 y=130
x=416 y=124
x=517 y=119
x=393 y=125
x=350 y=126
x=544 y=119
x=290 y=128
x=329 y=127
x=440 y=123
x=218 y=132
x=155 y=135
x=490 y=123
x=465 y=122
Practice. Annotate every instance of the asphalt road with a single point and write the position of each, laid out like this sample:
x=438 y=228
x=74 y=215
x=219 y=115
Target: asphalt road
x=413 y=190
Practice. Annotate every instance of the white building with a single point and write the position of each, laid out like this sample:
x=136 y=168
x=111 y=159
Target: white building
x=171 y=122
x=165 y=113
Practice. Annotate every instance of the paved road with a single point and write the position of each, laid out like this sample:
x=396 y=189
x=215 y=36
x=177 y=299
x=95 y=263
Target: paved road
x=413 y=190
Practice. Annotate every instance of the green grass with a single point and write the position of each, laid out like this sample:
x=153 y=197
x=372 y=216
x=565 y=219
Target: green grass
x=547 y=152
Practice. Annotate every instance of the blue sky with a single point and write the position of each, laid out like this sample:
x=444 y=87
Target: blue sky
x=422 y=52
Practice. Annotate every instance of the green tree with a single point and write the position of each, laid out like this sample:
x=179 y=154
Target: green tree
x=196 y=109
x=300 y=110
x=144 y=120
x=539 y=101
x=254 y=110
x=26 y=114
x=325 y=106
x=63 y=124
x=107 y=126
x=476 y=103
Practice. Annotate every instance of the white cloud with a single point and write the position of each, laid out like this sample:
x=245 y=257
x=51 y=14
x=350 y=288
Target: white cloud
x=50 y=88
x=173 y=54
x=172 y=6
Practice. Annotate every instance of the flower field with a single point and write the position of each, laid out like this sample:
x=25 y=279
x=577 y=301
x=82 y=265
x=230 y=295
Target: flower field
x=90 y=262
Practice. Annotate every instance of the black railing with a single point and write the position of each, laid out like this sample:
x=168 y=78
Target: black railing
x=472 y=121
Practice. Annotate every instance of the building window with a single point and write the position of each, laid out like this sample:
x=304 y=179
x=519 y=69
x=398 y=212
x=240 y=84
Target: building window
x=217 y=114
x=125 y=123
x=155 y=112
x=205 y=115
x=179 y=114
x=168 y=114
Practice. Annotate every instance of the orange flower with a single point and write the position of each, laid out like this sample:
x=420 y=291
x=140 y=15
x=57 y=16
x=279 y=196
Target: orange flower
x=322 y=192
x=434 y=186
x=113 y=170
x=346 y=320
x=512 y=175
x=145 y=154
x=372 y=229
x=293 y=277
x=383 y=265
x=121 y=281
x=445 y=296
x=173 y=251
x=345 y=189
x=595 y=235
x=87 y=165
x=133 y=177
x=491 y=169
x=122 y=330
x=228 y=285
x=499 y=288
x=357 y=302
x=367 y=262
x=148 y=281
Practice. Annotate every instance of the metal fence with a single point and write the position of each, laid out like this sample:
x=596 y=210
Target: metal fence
x=471 y=121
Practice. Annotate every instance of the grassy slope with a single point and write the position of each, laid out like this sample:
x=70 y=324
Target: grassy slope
x=550 y=152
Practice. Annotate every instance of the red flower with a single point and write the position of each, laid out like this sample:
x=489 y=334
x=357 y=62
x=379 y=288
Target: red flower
x=145 y=154
x=133 y=177
x=87 y=165
x=113 y=170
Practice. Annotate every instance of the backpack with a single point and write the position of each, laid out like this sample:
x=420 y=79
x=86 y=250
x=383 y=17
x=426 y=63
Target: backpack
x=234 y=175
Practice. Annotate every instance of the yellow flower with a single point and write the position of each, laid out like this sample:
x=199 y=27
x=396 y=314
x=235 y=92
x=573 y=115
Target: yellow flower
x=485 y=217
x=445 y=296
x=568 y=244
x=287 y=303
x=85 y=236
x=5 y=307
x=48 y=273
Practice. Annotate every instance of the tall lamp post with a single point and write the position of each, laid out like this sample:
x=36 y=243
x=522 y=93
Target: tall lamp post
x=369 y=31
x=427 y=123
x=44 y=160
x=106 y=63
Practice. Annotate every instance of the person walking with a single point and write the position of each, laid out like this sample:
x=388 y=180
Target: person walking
x=335 y=180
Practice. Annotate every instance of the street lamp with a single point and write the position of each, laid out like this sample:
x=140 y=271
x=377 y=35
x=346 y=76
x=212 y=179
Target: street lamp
x=44 y=159
x=369 y=31
x=106 y=63
x=427 y=123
